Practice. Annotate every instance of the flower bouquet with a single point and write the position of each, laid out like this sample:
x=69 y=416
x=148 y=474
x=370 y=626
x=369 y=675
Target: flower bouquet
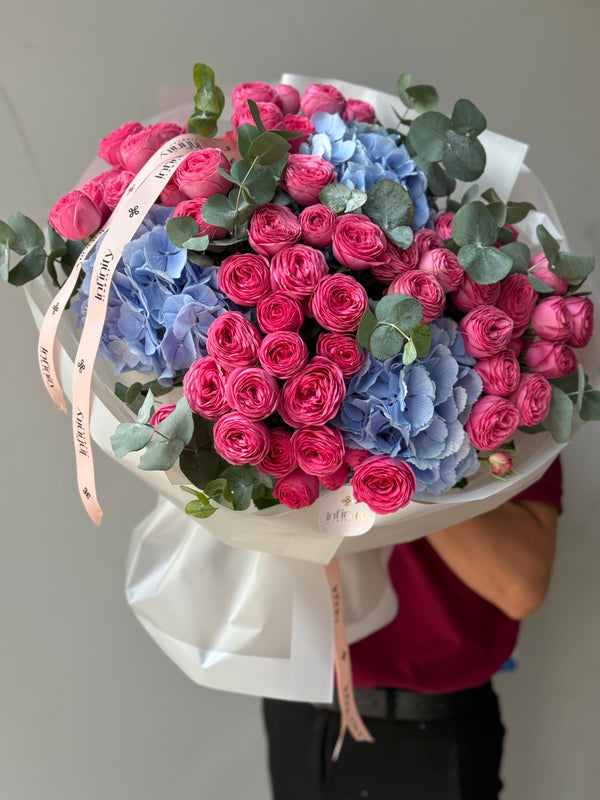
x=354 y=345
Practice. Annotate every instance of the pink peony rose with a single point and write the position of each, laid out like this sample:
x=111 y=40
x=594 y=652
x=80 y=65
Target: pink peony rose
x=197 y=175
x=517 y=345
x=252 y=392
x=280 y=459
x=318 y=223
x=444 y=267
x=193 y=208
x=424 y=288
x=233 y=341
x=339 y=302
x=384 y=484
x=492 y=422
x=171 y=196
x=270 y=115
x=335 y=480
x=110 y=146
x=443 y=224
x=486 y=331
x=115 y=187
x=355 y=457
x=304 y=177
x=245 y=278
x=298 y=269
x=398 y=261
x=470 y=294
x=532 y=398
x=297 y=490
x=550 y=359
x=76 y=215
x=319 y=450
x=162 y=413
x=499 y=373
x=518 y=299
x=257 y=91
x=289 y=98
x=538 y=266
x=500 y=463
x=322 y=97
x=342 y=350
x=240 y=440
x=283 y=353
x=294 y=122
x=139 y=147
x=279 y=312
x=581 y=311
x=551 y=320
x=204 y=388
x=358 y=243
x=426 y=239
x=272 y=228
x=314 y=395
x=359 y=110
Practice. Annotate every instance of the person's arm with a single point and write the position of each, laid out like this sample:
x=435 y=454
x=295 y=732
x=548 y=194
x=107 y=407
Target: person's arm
x=505 y=555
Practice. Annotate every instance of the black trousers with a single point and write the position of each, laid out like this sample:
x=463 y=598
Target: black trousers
x=453 y=758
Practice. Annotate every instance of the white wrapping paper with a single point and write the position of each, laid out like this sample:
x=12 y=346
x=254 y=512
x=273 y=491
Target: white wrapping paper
x=239 y=601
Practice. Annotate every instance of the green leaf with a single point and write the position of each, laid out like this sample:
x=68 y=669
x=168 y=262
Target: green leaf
x=246 y=134
x=484 y=264
x=409 y=354
x=400 y=310
x=29 y=267
x=28 y=235
x=403 y=84
x=549 y=244
x=470 y=194
x=574 y=268
x=198 y=509
x=590 y=405
x=147 y=408
x=200 y=466
x=161 y=454
x=473 y=223
x=424 y=97
x=209 y=101
x=268 y=147
x=401 y=236
x=335 y=196
x=180 y=229
x=427 y=135
x=197 y=244
x=421 y=337
x=7 y=239
x=581 y=384
x=366 y=326
x=220 y=491
x=539 y=285
x=389 y=205
x=520 y=254
x=515 y=212
x=256 y=115
x=356 y=200
x=261 y=185
x=218 y=210
x=386 y=341
x=498 y=211
x=242 y=480
x=491 y=195
x=560 y=417
x=465 y=158
x=129 y=437
x=467 y=119
x=438 y=182
x=179 y=424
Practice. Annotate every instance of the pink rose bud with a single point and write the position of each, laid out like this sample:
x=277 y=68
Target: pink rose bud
x=233 y=341
x=110 y=146
x=294 y=122
x=470 y=294
x=193 y=208
x=339 y=302
x=280 y=459
x=342 y=350
x=398 y=261
x=283 y=354
x=358 y=243
x=318 y=223
x=336 y=480
x=384 y=484
x=492 y=422
x=319 y=450
x=550 y=359
x=304 y=176
x=257 y=91
x=272 y=228
x=289 y=98
x=115 y=187
x=532 y=398
x=245 y=278
x=538 y=266
x=204 y=388
x=298 y=269
x=359 y=110
x=252 y=392
x=197 y=175
x=444 y=267
x=499 y=373
x=443 y=224
x=322 y=97
x=551 y=320
x=270 y=115
x=297 y=490
x=426 y=239
x=162 y=413
x=517 y=298
x=314 y=395
x=581 y=310
x=279 y=312
x=486 y=331
x=76 y=215
x=240 y=440
x=500 y=463
x=424 y=288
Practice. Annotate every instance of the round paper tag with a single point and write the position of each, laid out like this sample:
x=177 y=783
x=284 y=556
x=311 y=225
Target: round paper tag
x=340 y=514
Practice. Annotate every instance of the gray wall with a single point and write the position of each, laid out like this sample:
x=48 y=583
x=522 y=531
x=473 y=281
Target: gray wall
x=88 y=706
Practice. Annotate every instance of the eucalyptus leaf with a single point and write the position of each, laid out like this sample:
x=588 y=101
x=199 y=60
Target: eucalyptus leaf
x=474 y=223
x=28 y=234
x=242 y=480
x=516 y=212
x=409 y=354
x=491 y=195
x=147 y=408
x=366 y=326
x=386 y=341
x=560 y=416
x=254 y=110
x=261 y=185
x=424 y=98
x=427 y=135
x=520 y=254
x=209 y=101
x=549 y=244
x=574 y=268
x=389 y=205
x=590 y=404
x=179 y=424
x=421 y=337
x=246 y=134
x=484 y=264
x=467 y=119
x=198 y=509
x=438 y=182
x=470 y=194
x=539 y=285
x=197 y=243
x=498 y=211
x=218 y=210
x=465 y=158
x=335 y=196
x=400 y=310
x=268 y=147
x=356 y=200
x=403 y=84
x=581 y=384
x=130 y=437
x=220 y=491
x=402 y=236
x=29 y=267
x=161 y=454
x=180 y=229
x=200 y=466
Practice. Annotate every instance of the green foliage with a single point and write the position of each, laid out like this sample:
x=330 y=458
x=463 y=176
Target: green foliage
x=422 y=98
x=389 y=205
x=573 y=267
x=341 y=199
x=475 y=231
x=201 y=507
x=395 y=327
x=208 y=102
x=22 y=236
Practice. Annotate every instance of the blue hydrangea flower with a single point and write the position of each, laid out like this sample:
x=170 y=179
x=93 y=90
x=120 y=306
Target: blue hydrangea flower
x=364 y=154
x=417 y=412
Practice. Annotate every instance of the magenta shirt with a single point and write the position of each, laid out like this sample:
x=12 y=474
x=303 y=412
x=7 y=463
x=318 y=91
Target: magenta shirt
x=445 y=637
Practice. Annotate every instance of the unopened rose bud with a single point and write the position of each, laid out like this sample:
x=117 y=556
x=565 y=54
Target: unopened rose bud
x=500 y=463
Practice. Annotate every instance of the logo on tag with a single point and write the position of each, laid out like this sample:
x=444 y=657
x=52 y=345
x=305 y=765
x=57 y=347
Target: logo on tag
x=340 y=514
